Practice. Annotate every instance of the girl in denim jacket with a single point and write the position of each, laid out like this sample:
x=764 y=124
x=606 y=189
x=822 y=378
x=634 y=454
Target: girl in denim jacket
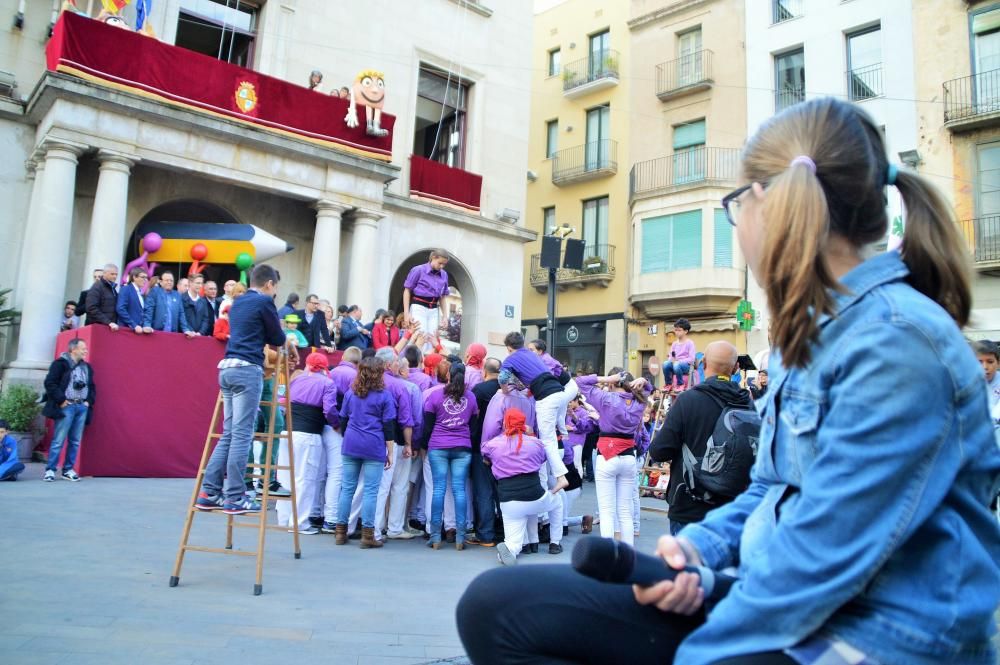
x=865 y=536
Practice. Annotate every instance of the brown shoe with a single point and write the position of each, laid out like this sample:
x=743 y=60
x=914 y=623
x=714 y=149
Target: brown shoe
x=459 y=546
x=587 y=524
x=340 y=534
x=368 y=539
x=450 y=535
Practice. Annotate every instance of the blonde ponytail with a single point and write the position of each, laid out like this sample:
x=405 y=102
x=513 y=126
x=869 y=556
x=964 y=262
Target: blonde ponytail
x=933 y=248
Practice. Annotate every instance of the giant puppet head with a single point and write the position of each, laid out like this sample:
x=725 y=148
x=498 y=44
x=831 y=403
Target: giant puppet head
x=368 y=91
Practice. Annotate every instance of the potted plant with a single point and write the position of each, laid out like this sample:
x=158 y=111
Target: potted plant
x=20 y=407
x=594 y=265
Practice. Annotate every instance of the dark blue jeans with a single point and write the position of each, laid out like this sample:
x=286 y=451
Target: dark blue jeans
x=70 y=426
x=484 y=498
x=457 y=461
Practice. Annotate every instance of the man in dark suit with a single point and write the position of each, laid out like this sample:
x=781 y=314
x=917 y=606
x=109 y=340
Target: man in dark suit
x=164 y=310
x=131 y=301
x=81 y=302
x=313 y=325
x=352 y=331
x=197 y=311
x=102 y=299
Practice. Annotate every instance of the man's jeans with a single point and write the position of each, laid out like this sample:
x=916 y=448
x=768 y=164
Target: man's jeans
x=71 y=426
x=457 y=461
x=241 y=390
x=353 y=467
x=484 y=498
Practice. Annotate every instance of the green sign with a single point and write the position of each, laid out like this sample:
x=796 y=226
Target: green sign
x=746 y=317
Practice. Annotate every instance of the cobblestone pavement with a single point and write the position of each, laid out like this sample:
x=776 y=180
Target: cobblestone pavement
x=86 y=565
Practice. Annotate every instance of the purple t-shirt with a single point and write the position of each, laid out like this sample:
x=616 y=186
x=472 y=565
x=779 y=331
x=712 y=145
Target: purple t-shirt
x=315 y=389
x=506 y=460
x=404 y=414
x=427 y=283
x=525 y=365
x=620 y=412
x=343 y=376
x=682 y=352
x=554 y=366
x=451 y=425
x=499 y=403
x=583 y=424
x=473 y=377
x=422 y=381
x=365 y=435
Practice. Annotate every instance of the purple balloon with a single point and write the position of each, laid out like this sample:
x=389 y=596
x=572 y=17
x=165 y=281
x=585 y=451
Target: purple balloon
x=151 y=242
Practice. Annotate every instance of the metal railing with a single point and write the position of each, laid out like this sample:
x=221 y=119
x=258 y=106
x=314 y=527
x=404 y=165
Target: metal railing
x=785 y=97
x=782 y=10
x=598 y=265
x=596 y=66
x=584 y=161
x=684 y=167
x=983 y=236
x=864 y=82
x=971 y=96
x=687 y=70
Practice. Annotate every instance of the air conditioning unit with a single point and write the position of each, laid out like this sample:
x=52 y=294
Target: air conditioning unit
x=509 y=215
x=7 y=84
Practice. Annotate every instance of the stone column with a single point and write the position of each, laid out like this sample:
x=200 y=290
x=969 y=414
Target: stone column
x=36 y=170
x=106 y=243
x=359 y=281
x=325 y=266
x=45 y=258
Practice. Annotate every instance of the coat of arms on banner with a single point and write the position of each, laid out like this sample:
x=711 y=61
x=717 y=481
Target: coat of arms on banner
x=246 y=97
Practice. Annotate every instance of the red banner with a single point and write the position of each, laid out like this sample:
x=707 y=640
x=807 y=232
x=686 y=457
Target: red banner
x=142 y=65
x=443 y=183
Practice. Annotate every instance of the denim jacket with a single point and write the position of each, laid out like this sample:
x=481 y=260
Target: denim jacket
x=867 y=518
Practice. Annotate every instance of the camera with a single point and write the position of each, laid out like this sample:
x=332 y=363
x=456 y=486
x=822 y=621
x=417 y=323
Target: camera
x=79 y=385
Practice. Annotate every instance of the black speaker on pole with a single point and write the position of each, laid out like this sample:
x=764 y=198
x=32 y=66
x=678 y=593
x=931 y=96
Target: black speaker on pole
x=573 y=259
x=551 y=248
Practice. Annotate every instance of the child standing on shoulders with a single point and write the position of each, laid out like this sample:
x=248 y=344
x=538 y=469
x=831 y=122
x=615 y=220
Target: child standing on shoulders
x=681 y=356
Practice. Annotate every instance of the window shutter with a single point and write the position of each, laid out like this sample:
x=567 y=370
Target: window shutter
x=656 y=244
x=687 y=240
x=687 y=135
x=986 y=21
x=671 y=242
x=723 y=240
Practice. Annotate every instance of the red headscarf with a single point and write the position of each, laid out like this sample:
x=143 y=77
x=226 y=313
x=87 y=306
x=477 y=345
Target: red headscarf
x=515 y=422
x=474 y=355
x=431 y=361
x=317 y=362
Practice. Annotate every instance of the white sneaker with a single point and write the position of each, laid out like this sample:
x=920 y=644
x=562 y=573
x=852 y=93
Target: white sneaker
x=402 y=535
x=71 y=476
x=49 y=476
x=505 y=556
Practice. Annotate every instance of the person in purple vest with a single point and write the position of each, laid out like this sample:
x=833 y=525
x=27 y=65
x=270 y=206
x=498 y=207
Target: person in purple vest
x=550 y=400
x=343 y=376
x=423 y=291
x=516 y=458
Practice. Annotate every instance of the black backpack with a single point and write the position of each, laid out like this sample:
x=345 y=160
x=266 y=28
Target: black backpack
x=724 y=471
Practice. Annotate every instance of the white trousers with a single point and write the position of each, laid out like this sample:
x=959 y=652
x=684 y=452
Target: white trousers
x=615 y=481
x=569 y=497
x=308 y=450
x=333 y=470
x=547 y=413
x=394 y=490
x=636 y=507
x=429 y=320
x=571 y=390
x=520 y=516
x=578 y=459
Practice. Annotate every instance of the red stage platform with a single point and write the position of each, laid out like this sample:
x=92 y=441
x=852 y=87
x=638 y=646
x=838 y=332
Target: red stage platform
x=155 y=395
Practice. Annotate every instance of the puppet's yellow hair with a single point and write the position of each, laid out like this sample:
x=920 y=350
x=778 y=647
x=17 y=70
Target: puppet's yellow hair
x=375 y=74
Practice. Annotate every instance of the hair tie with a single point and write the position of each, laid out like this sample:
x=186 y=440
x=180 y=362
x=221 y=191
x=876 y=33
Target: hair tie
x=891 y=172
x=805 y=161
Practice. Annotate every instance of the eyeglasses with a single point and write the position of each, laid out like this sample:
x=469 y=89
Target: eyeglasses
x=731 y=203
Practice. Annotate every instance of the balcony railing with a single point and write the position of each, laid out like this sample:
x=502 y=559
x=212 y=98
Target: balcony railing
x=585 y=162
x=865 y=82
x=972 y=98
x=785 y=97
x=685 y=74
x=782 y=10
x=598 y=267
x=694 y=166
x=983 y=236
x=600 y=65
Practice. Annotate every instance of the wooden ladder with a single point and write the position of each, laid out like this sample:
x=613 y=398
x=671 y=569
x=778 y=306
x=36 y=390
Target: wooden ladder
x=261 y=471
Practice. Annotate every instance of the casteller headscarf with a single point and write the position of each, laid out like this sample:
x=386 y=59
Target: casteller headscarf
x=515 y=422
x=431 y=361
x=474 y=355
x=317 y=362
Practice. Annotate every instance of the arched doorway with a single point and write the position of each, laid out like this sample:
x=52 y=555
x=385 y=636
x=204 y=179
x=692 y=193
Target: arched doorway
x=188 y=211
x=460 y=327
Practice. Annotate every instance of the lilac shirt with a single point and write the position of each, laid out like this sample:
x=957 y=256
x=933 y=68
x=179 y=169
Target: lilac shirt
x=421 y=380
x=416 y=408
x=343 y=376
x=473 y=377
x=684 y=352
x=404 y=412
x=365 y=435
x=427 y=283
x=451 y=427
x=315 y=389
x=621 y=413
x=499 y=403
x=507 y=461
x=583 y=424
x=525 y=365
x=554 y=366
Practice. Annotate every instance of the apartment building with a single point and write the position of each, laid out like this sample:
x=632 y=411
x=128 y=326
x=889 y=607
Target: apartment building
x=689 y=119
x=862 y=51
x=578 y=166
x=958 y=146
x=91 y=155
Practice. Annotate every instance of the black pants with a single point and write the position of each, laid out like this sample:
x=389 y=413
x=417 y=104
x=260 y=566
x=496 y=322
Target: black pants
x=484 y=498
x=551 y=614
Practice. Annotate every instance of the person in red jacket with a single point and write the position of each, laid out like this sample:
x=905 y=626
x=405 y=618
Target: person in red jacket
x=385 y=332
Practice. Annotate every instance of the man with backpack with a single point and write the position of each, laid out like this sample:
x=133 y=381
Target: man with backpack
x=710 y=439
